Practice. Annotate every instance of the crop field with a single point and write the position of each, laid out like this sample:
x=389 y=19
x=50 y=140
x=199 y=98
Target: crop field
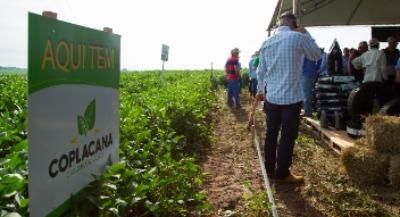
x=163 y=121
x=184 y=153
x=14 y=71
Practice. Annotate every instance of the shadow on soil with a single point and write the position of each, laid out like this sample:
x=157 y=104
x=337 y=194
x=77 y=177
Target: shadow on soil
x=290 y=196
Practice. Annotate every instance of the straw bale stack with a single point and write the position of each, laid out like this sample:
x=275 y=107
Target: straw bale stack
x=394 y=171
x=364 y=164
x=383 y=133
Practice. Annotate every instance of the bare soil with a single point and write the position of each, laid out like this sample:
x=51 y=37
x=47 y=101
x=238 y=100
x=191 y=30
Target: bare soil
x=232 y=160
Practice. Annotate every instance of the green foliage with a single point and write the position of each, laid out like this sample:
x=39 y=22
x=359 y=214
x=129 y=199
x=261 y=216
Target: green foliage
x=245 y=77
x=257 y=202
x=13 y=71
x=13 y=180
x=221 y=80
x=13 y=112
x=13 y=145
x=163 y=123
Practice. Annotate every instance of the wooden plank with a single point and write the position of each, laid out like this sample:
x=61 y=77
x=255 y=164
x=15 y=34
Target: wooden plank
x=338 y=140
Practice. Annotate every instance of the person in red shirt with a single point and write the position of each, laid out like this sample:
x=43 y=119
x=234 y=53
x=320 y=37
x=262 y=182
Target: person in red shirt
x=232 y=74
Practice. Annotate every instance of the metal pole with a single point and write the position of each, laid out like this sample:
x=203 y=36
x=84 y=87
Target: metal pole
x=162 y=75
x=297 y=9
x=211 y=68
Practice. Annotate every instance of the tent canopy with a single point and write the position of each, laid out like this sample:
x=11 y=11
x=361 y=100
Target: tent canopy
x=342 y=12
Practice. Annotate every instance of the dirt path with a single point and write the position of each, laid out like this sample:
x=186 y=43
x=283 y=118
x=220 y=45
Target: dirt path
x=232 y=160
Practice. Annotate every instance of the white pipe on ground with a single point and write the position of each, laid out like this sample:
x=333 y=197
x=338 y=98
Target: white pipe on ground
x=260 y=158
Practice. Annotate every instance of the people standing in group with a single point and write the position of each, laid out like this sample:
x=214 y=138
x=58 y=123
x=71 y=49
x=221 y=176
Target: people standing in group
x=232 y=75
x=373 y=62
x=357 y=73
x=322 y=69
x=281 y=60
x=253 y=75
x=392 y=56
x=308 y=78
x=345 y=58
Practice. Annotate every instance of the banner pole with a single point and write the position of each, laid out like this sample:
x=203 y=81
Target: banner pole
x=162 y=72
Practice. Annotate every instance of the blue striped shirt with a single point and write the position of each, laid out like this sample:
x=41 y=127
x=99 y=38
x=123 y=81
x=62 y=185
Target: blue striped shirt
x=281 y=63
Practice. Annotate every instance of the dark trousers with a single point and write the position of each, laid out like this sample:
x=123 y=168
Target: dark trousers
x=358 y=75
x=392 y=82
x=253 y=86
x=278 y=157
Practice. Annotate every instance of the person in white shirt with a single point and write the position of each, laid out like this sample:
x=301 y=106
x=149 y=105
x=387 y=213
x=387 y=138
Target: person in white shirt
x=373 y=62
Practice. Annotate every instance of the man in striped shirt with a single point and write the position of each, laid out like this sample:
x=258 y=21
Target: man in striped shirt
x=232 y=75
x=280 y=67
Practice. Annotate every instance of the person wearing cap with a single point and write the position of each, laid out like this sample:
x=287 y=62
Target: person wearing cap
x=232 y=75
x=373 y=62
x=281 y=62
x=392 y=56
x=253 y=75
x=357 y=73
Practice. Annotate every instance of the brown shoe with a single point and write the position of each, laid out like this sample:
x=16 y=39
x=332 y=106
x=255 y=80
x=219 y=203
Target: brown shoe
x=291 y=179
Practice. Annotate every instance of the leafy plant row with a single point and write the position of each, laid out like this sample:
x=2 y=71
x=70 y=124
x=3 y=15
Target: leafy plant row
x=13 y=144
x=164 y=123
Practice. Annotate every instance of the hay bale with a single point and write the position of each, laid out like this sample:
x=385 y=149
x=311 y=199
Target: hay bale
x=394 y=171
x=365 y=165
x=382 y=133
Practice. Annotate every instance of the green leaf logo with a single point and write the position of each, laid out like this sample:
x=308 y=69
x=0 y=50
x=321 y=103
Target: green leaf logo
x=86 y=123
x=81 y=125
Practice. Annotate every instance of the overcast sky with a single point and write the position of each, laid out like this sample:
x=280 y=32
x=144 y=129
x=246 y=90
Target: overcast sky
x=198 y=32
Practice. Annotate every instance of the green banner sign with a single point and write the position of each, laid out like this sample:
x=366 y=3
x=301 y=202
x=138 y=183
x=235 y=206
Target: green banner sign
x=73 y=110
x=64 y=53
